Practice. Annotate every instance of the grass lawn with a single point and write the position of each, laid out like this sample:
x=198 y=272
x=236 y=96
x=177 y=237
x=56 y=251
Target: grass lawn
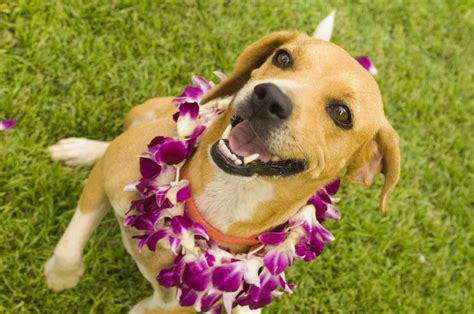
x=75 y=69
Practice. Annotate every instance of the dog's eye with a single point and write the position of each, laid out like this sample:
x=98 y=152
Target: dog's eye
x=282 y=59
x=341 y=115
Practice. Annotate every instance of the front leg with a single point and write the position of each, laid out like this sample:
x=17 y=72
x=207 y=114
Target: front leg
x=64 y=269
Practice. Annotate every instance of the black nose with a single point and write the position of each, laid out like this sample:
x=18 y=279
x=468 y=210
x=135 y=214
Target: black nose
x=270 y=102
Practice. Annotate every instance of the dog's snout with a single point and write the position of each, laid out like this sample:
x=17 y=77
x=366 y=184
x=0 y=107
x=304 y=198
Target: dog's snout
x=271 y=102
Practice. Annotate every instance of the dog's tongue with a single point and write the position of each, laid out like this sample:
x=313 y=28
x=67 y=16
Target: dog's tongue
x=244 y=142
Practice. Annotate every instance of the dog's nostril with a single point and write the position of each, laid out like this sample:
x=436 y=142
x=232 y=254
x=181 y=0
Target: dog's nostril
x=260 y=91
x=276 y=110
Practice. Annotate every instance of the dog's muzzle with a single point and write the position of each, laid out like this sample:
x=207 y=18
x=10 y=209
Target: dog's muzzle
x=267 y=104
x=242 y=150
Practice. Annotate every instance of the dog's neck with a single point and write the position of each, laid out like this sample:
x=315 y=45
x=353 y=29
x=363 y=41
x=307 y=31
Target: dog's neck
x=232 y=199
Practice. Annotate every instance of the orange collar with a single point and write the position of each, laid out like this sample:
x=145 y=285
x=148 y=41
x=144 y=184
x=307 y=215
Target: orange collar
x=214 y=233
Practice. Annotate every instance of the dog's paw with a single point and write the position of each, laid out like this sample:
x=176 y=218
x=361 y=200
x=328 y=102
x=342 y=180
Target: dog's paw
x=60 y=277
x=245 y=310
x=155 y=304
x=74 y=151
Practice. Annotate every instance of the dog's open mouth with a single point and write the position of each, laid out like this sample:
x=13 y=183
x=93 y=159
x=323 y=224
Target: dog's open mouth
x=241 y=152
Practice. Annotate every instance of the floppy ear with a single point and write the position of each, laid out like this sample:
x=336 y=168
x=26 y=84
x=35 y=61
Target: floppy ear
x=251 y=58
x=381 y=154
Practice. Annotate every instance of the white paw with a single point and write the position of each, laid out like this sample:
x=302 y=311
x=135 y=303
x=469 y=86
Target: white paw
x=141 y=307
x=59 y=277
x=155 y=304
x=245 y=310
x=138 y=308
x=74 y=151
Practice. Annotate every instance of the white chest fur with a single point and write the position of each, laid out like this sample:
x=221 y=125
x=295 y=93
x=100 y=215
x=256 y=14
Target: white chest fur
x=230 y=199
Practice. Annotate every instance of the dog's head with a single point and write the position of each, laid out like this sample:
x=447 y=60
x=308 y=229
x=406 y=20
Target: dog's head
x=303 y=110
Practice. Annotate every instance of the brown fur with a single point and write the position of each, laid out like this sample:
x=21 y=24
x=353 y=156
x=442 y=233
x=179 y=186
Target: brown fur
x=326 y=72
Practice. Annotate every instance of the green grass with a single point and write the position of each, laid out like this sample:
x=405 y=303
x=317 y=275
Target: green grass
x=75 y=69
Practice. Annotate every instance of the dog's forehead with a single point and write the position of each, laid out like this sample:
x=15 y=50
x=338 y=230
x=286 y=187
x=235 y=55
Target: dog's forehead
x=324 y=66
x=324 y=58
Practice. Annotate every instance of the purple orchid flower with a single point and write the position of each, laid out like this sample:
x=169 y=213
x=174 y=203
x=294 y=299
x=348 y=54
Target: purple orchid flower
x=196 y=92
x=149 y=168
x=185 y=231
x=220 y=75
x=367 y=64
x=208 y=300
x=166 y=277
x=273 y=237
x=187 y=296
x=228 y=278
x=277 y=260
x=202 y=83
x=333 y=187
x=172 y=152
x=7 y=124
x=324 y=208
x=187 y=119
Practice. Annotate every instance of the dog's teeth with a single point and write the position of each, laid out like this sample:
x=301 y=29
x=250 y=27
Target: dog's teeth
x=226 y=150
x=250 y=158
x=225 y=135
x=238 y=162
x=221 y=143
x=233 y=157
x=221 y=146
x=275 y=158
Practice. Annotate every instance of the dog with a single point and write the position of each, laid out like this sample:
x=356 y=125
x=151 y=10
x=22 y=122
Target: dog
x=300 y=103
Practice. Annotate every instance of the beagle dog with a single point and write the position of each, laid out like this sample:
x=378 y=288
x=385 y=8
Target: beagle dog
x=305 y=106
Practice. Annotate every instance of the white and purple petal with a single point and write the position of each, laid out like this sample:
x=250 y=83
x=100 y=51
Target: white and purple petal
x=175 y=244
x=200 y=231
x=189 y=109
x=7 y=124
x=252 y=267
x=326 y=236
x=367 y=64
x=333 y=187
x=318 y=202
x=220 y=75
x=187 y=296
x=166 y=277
x=228 y=299
x=172 y=152
x=208 y=300
x=157 y=141
x=199 y=281
x=193 y=92
x=155 y=237
x=180 y=225
x=332 y=213
x=149 y=168
x=202 y=83
x=276 y=260
x=273 y=237
x=228 y=278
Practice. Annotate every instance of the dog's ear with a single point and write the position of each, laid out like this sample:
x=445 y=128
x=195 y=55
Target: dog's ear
x=251 y=58
x=381 y=154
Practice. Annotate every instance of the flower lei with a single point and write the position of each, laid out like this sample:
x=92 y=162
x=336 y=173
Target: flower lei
x=207 y=277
